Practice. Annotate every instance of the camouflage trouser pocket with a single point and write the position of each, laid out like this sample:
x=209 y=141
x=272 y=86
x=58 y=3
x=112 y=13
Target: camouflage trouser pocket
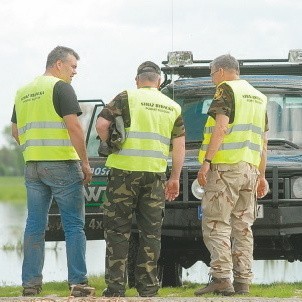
x=214 y=182
x=215 y=190
x=114 y=173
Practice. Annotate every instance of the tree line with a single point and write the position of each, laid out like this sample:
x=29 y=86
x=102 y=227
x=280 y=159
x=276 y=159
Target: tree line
x=11 y=158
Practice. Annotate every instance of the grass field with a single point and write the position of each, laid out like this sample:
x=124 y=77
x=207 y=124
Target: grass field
x=278 y=290
x=12 y=189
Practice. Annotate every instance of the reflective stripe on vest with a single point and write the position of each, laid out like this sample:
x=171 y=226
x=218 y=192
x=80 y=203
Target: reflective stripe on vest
x=246 y=127
x=42 y=132
x=146 y=147
x=46 y=142
x=149 y=135
x=244 y=138
x=32 y=125
x=146 y=153
x=143 y=153
x=233 y=146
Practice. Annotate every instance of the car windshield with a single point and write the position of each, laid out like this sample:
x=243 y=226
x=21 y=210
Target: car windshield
x=284 y=115
x=285 y=118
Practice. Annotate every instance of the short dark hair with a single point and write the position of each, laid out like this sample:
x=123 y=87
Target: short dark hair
x=60 y=53
x=148 y=76
x=149 y=67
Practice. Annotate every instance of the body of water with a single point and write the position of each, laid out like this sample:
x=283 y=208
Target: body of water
x=12 y=220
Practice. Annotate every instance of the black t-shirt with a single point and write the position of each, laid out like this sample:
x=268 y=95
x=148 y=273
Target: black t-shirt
x=64 y=100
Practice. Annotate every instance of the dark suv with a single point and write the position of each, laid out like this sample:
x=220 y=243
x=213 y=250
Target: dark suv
x=278 y=228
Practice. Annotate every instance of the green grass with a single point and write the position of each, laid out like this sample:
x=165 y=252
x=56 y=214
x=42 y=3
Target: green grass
x=276 y=290
x=12 y=189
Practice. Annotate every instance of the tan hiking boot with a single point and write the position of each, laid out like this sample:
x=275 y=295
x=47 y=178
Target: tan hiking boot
x=221 y=286
x=241 y=288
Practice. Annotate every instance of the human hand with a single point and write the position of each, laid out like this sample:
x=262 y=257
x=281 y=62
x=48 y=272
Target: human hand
x=202 y=174
x=262 y=187
x=87 y=173
x=171 y=189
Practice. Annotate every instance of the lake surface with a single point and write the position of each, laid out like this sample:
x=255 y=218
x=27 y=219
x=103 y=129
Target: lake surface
x=12 y=221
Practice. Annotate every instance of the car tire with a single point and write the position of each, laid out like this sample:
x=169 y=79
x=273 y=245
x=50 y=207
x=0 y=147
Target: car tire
x=169 y=272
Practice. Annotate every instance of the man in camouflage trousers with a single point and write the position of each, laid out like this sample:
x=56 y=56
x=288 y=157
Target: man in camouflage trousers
x=233 y=157
x=137 y=180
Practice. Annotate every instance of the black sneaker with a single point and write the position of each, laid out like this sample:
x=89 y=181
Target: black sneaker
x=31 y=291
x=108 y=293
x=82 y=290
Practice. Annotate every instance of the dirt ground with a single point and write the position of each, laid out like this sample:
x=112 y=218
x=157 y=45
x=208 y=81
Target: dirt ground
x=138 y=299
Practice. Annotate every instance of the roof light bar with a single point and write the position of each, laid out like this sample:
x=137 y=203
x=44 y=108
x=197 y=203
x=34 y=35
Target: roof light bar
x=180 y=58
x=295 y=56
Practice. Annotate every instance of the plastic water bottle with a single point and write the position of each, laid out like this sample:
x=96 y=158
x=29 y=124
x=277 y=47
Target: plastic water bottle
x=197 y=189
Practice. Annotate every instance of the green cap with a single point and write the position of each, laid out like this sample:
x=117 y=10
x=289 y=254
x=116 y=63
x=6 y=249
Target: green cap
x=148 y=66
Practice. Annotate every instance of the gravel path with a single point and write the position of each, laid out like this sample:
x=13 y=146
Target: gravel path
x=132 y=299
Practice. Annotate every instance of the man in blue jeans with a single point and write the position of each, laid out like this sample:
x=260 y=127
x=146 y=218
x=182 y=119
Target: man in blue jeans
x=45 y=124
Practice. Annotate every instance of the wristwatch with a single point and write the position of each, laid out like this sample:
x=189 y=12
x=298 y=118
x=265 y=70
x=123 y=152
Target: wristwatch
x=207 y=160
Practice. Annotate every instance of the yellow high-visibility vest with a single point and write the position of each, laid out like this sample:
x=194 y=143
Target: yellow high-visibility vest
x=42 y=132
x=244 y=140
x=146 y=147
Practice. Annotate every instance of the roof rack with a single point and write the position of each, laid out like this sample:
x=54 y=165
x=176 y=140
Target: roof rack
x=200 y=68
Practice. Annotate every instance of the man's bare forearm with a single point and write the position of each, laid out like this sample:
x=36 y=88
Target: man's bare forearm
x=15 y=133
x=262 y=165
x=178 y=156
x=102 y=128
x=217 y=136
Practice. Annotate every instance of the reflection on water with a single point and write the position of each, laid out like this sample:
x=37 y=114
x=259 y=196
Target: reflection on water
x=55 y=268
x=265 y=272
x=11 y=223
x=12 y=220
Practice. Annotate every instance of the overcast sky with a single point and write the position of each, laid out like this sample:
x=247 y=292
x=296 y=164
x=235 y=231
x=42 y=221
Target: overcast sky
x=113 y=37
